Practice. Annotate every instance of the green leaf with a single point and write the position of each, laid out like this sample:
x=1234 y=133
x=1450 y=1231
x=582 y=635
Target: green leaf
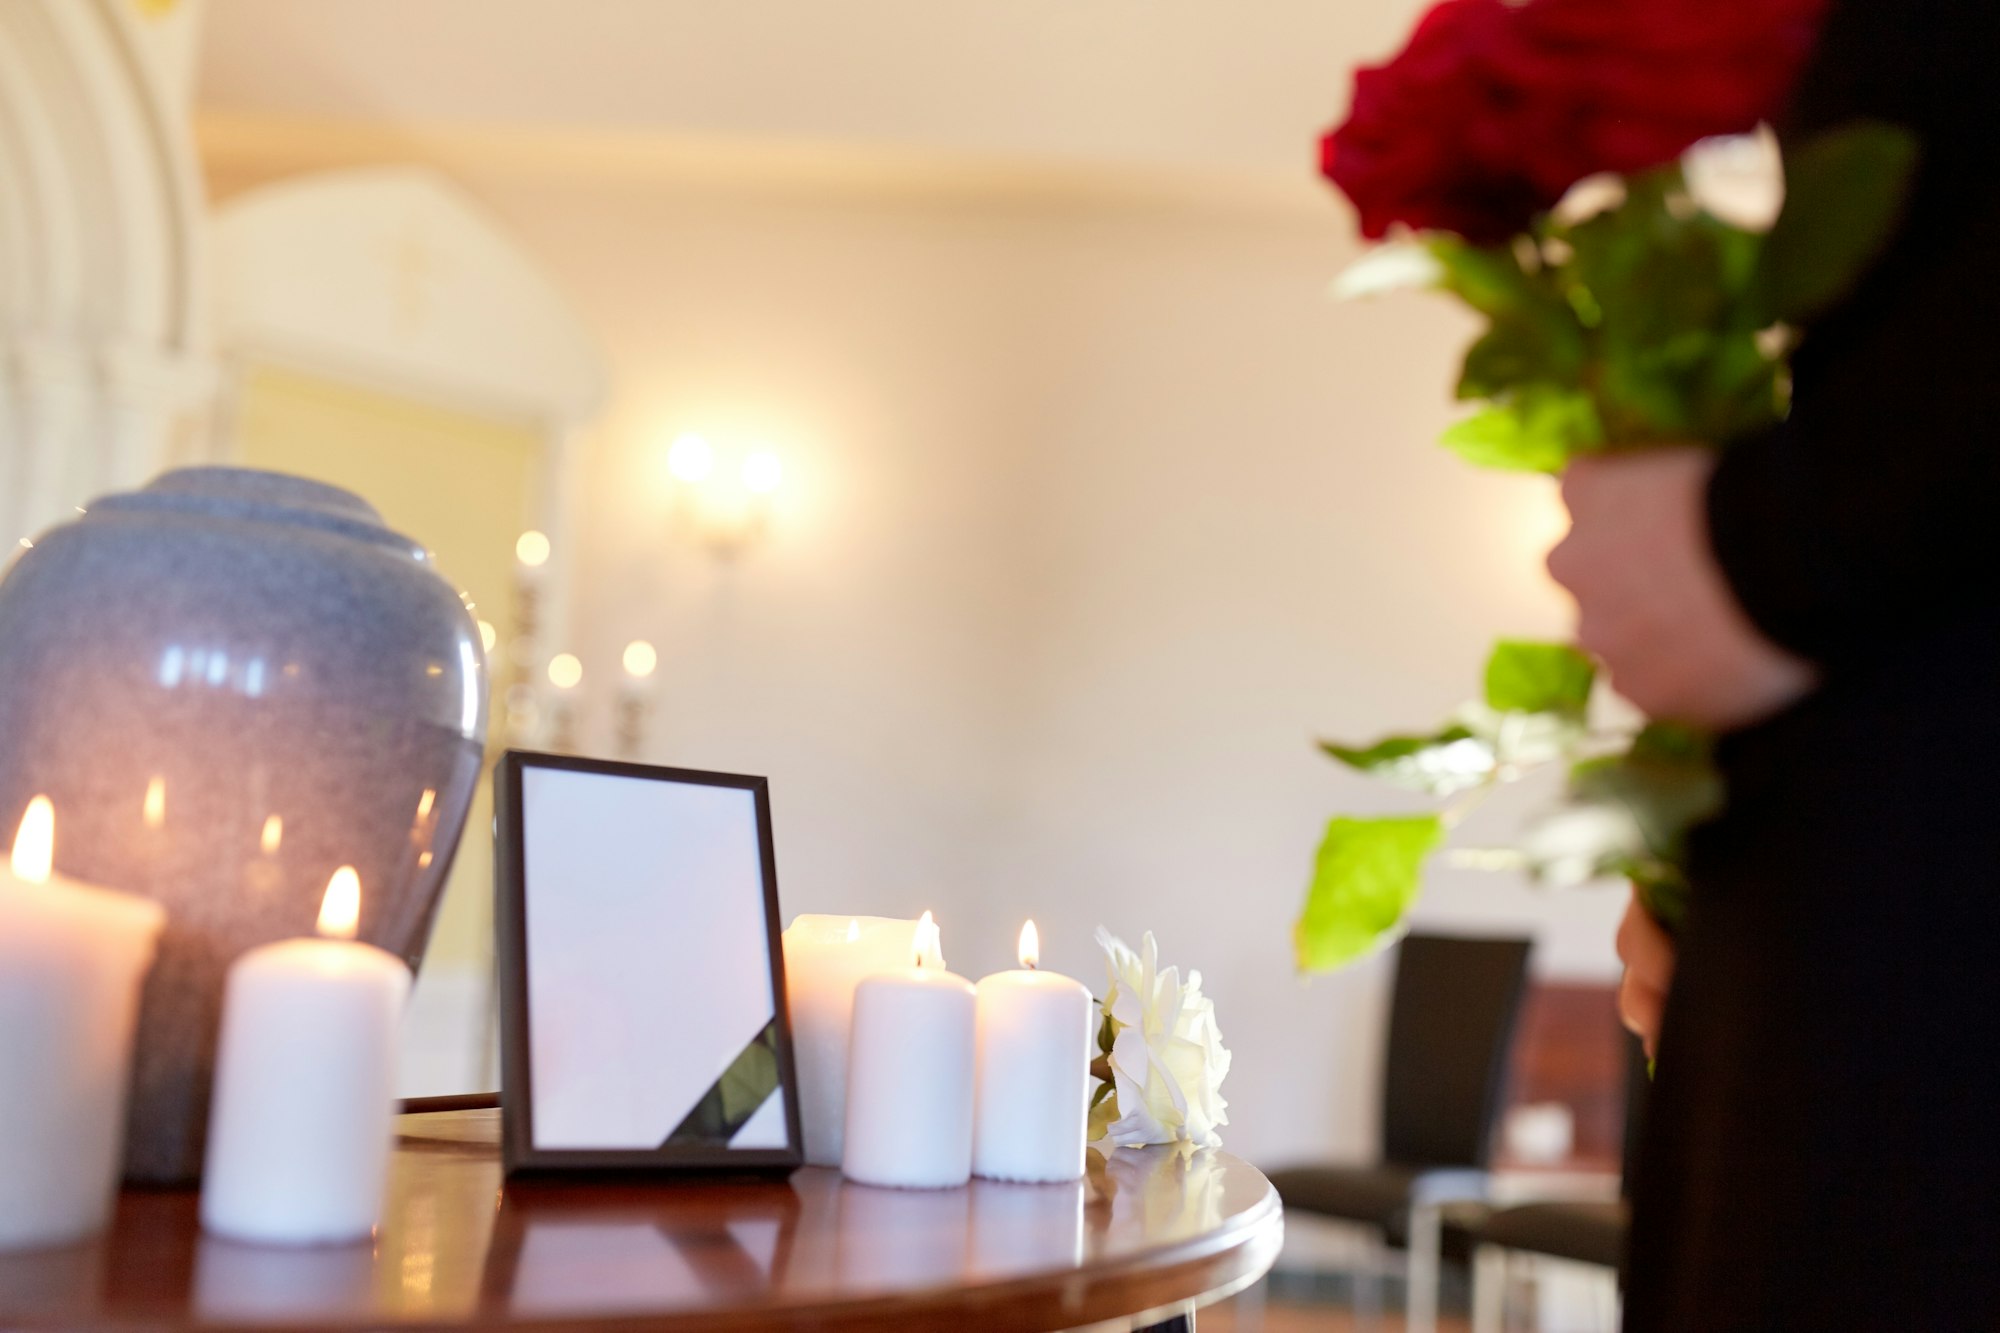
x=1364 y=880
x=1844 y=194
x=1666 y=782
x=1516 y=353
x=1669 y=743
x=1103 y=1113
x=1537 y=429
x=1447 y=761
x=1663 y=290
x=1528 y=677
x=1663 y=891
x=1489 y=278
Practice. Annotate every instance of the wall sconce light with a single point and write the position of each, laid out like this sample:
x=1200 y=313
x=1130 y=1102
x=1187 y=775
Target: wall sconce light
x=723 y=512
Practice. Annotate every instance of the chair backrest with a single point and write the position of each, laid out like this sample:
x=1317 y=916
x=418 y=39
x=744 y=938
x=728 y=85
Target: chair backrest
x=1451 y=1027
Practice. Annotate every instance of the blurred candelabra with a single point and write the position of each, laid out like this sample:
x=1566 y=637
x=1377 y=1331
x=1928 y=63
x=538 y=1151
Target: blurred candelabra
x=565 y=675
x=635 y=701
x=523 y=712
x=546 y=705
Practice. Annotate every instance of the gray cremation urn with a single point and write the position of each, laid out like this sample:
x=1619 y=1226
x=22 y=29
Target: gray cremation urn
x=232 y=683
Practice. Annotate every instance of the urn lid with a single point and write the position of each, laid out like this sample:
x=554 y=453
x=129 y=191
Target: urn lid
x=249 y=493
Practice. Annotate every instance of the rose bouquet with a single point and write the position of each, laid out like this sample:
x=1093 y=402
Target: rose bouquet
x=1550 y=163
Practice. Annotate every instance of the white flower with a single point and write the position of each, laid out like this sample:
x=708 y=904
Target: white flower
x=1589 y=197
x=1167 y=1059
x=1739 y=178
x=1394 y=267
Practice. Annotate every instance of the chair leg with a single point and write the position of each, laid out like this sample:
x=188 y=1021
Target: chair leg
x=1489 y=1289
x=1368 y=1284
x=1426 y=1242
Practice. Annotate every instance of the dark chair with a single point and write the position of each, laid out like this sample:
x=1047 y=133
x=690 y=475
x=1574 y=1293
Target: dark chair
x=1585 y=1231
x=1451 y=1026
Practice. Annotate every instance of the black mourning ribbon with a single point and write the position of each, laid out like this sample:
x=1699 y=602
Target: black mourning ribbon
x=730 y=1102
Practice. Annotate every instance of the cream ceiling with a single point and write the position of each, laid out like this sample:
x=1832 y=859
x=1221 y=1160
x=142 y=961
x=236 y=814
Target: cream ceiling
x=1238 y=85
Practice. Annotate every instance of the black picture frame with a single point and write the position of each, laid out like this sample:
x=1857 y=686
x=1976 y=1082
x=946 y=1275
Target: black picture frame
x=519 y=1151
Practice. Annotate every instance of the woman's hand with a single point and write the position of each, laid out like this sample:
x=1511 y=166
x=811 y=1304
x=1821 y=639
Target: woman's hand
x=1653 y=605
x=1648 y=954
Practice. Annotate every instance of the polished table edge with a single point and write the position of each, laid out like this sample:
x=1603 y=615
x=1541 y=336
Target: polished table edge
x=1199 y=1273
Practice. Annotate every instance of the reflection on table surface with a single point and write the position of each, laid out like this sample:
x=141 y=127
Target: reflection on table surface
x=455 y=1244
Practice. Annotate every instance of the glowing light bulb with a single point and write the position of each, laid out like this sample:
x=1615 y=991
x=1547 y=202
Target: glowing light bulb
x=35 y=844
x=565 y=671
x=533 y=549
x=691 y=459
x=640 y=659
x=340 y=910
x=763 y=473
x=1031 y=946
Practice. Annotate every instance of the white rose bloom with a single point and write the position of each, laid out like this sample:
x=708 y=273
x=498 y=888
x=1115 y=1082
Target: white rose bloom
x=1739 y=178
x=1167 y=1060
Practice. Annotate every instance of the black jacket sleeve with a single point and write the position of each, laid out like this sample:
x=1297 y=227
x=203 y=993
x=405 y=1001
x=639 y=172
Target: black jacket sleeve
x=1870 y=513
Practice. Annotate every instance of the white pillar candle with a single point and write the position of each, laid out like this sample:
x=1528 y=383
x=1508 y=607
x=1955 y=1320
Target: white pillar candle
x=300 y=1129
x=1033 y=1088
x=72 y=958
x=909 y=1077
x=825 y=958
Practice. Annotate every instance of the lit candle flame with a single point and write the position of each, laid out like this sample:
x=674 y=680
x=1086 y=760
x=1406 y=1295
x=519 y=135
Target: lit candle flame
x=35 y=844
x=926 y=941
x=340 y=912
x=274 y=835
x=155 y=811
x=853 y=931
x=1031 y=946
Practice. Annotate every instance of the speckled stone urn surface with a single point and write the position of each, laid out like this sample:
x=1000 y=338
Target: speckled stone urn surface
x=231 y=684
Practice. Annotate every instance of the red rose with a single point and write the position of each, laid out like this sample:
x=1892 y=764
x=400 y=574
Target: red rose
x=1495 y=108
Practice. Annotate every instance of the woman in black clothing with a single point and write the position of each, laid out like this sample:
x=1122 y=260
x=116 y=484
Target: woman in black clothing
x=1823 y=1145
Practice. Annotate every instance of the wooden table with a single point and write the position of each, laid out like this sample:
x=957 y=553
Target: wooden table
x=1145 y=1239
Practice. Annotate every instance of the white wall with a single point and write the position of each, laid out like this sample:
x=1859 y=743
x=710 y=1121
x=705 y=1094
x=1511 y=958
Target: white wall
x=1095 y=516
